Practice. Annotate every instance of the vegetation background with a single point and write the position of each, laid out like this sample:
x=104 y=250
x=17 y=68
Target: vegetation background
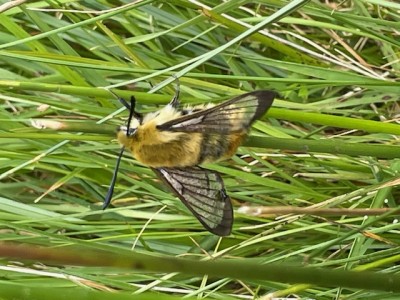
x=330 y=141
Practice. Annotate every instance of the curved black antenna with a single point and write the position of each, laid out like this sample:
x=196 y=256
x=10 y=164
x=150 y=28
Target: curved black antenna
x=107 y=199
x=125 y=103
x=132 y=113
x=121 y=100
x=130 y=107
x=175 y=101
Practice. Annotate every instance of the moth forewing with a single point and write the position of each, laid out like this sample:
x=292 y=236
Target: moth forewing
x=222 y=127
x=263 y=100
x=230 y=116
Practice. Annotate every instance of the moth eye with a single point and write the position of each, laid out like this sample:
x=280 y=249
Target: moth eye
x=131 y=131
x=128 y=132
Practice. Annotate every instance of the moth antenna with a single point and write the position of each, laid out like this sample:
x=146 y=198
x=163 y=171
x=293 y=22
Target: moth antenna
x=107 y=199
x=121 y=100
x=133 y=113
x=125 y=103
x=130 y=107
x=175 y=101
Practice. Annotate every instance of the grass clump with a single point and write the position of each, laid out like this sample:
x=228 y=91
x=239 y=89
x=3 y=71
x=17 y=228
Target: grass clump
x=331 y=141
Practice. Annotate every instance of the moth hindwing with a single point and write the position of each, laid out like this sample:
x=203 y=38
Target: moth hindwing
x=203 y=193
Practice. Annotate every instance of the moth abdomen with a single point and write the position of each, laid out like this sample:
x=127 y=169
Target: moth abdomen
x=213 y=147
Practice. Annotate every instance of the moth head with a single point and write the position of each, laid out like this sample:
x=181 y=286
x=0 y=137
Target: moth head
x=128 y=132
x=133 y=122
x=125 y=136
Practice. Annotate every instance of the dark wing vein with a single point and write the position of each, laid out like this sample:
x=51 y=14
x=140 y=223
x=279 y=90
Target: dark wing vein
x=203 y=192
x=231 y=116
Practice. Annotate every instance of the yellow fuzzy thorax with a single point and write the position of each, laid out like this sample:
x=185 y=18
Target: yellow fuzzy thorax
x=156 y=148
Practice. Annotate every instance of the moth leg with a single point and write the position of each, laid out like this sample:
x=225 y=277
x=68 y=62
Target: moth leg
x=175 y=100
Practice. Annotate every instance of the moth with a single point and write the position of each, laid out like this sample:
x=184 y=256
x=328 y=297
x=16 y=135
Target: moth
x=174 y=142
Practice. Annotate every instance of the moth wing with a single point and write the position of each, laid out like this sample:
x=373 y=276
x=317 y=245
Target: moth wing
x=203 y=192
x=231 y=116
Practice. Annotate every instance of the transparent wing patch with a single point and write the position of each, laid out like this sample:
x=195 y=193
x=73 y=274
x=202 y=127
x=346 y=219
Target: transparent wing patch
x=203 y=192
x=231 y=116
